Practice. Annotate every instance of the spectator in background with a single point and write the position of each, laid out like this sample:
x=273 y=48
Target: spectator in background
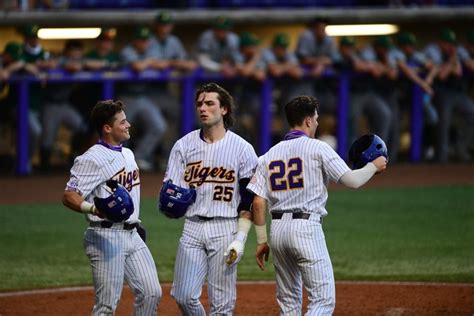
x=11 y=62
x=416 y=67
x=451 y=96
x=37 y=62
x=383 y=71
x=282 y=65
x=168 y=47
x=58 y=109
x=317 y=51
x=33 y=53
x=467 y=52
x=171 y=55
x=364 y=100
x=103 y=56
x=248 y=94
x=141 y=110
x=217 y=48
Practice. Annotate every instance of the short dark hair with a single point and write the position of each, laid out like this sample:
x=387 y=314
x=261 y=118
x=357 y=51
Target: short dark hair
x=225 y=100
x=104 y=113
x=299 y=108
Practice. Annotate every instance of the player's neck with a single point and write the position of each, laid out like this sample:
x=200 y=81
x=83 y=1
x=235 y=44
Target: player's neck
x=110 y=141
x=214 y=133
x=300 y=129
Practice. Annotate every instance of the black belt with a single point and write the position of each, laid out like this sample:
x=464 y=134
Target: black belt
x=107 y=224
x=204 y=218
x=293 y=215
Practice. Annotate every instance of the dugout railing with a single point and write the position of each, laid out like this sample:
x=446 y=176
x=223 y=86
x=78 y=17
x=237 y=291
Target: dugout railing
x=188 y=83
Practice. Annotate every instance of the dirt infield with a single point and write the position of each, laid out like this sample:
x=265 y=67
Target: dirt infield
x=353 y=298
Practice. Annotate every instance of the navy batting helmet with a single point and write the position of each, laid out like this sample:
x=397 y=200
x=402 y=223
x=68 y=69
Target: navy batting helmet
x=174 y=200
x=365 y=149
x=118 y=206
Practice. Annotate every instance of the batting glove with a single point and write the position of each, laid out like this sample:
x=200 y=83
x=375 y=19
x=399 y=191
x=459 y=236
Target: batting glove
x=235 y=250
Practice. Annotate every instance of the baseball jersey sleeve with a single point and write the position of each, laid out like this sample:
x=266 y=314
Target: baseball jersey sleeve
x=248 y=163
x=333 y=164
x=86 y=175
x=176 y=165
x=258 y=183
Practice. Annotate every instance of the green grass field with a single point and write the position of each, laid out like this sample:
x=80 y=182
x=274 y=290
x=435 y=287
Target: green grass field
x=422 y=234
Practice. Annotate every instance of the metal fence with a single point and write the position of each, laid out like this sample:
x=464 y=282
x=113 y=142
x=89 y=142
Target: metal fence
x=108 y=79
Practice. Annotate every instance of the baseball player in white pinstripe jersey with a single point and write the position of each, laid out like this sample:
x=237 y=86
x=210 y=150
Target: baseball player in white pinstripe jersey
x=218 y=164
x=291 y=179
x=115 y=250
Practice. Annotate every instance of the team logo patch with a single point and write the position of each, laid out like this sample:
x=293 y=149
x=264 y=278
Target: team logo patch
x=253 y=180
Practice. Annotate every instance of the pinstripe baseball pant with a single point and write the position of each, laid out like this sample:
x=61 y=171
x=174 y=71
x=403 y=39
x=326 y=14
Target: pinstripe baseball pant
x=116 y=254
x=200 y=252
x=301 y=258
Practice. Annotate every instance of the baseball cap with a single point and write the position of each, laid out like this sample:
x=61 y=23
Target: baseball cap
x=14 y=49
x=248 y=39
x=222 y=23
x=107 y=34
x=347 y=41
x=142 y=32
x=164 y=18
x=406 y=38
x=447 y=35
x=30 y=30
x=383 y=41
x=281 y=40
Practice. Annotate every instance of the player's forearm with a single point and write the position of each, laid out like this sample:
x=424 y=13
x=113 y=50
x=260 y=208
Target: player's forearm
x=207 y=63
x=259 y=211
x=357 y=178
x=77 y=203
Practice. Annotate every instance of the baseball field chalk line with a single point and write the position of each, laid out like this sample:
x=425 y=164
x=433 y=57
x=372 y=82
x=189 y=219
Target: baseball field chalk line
x=395 y=283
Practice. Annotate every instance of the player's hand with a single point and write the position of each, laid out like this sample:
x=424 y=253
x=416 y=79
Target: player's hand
x=262 y=254
x=380 y=163
x=235 y=250
x=95 y=211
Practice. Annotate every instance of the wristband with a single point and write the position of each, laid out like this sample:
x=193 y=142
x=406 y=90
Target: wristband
x=87 y=207
x=261 y=232
x=244 y=225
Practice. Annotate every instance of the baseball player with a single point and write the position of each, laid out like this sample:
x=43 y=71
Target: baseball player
x=292 y=178
x=218 y=164
x=115 y=250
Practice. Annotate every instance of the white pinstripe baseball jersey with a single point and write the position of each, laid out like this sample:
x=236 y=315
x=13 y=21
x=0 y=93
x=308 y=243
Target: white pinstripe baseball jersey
x=214 y=170
x=115 y=253
x=99 y=164
x=293 y=165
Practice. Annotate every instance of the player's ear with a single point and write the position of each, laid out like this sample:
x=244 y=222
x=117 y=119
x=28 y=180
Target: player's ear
x=107 y=129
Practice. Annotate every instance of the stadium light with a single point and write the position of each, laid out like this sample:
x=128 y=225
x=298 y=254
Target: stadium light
x=361 y=29
x=69 y=33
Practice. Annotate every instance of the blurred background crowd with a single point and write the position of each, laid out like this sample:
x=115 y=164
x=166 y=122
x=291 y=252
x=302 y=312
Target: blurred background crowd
x=383 y=71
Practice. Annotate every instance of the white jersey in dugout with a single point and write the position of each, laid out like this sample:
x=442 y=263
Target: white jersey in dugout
x=293 y=175
x=104 y=162
x=213 y=169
